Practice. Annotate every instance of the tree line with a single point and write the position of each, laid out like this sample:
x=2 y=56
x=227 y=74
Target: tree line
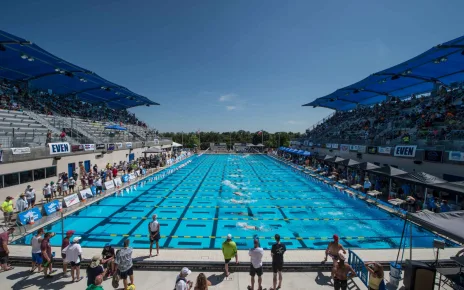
x=270 y=140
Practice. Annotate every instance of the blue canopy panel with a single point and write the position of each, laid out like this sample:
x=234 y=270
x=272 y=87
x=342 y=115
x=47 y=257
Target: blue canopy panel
x=22 y=61
x=441 y=65
x=115 y=127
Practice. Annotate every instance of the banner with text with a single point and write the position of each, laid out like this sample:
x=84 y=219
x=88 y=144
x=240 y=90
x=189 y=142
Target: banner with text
x=372 y=149
x=117 y=181
x=384 y=150
x=75 y=148
x=354 y=147
x=89 y=147
x=119 y=145
x=52 y=207
x=433 y=155
x=128 y=144
x=85 y=193
x=456 y=156
x=405 y=151
x=109 y=184
x=100 y=146
x=361 y=149
x=110 y=147
x=71 y=200
x=344 y=148
x=29 y=215
x=22 y=150
x=59 y=148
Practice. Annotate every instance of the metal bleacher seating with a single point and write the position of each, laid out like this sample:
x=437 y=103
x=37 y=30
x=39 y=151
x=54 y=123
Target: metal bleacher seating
x=18 y=129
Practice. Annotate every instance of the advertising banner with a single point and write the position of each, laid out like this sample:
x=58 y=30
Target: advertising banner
x=372 y=149
x=83 y=194
x=128 y=144
x=125 y=178
x=22 y=150
x=433 y=155
x=344 y=148
x=361 y=149
x=335 y=146
x=354 y=147
x=156 y=141
x=119 y=145
x=70 y=200
x=100 y=146
x=110 y=147
x=456 y=156
x=90 y=147
x=117 y=181
x=405 y=151
x=384 y=150
x=52 y=207
x=328 y=145
x=75 y=148
x=109 y=184
x=59 y=148
x=31 y=214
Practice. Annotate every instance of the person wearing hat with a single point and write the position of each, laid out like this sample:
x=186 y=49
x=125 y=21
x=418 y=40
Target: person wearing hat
x=30 y=196
x=229 y=250
x=71 y=183
x=333 y=249
x=64 y=246
x=95 y=269
x=181 y=281
x=74 y=256
x=21 y=203
x=47 y=192
x=8 y=209
x=4 y=251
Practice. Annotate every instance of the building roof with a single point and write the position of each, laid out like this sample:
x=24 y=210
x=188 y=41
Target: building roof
x=440 y=65
x=23 y=61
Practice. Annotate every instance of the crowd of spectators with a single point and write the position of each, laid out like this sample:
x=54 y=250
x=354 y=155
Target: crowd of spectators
x=14 y=97
x=437 y=116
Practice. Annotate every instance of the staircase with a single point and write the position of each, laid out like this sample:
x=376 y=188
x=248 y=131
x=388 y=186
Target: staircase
x=47 y=125
x=83 y=135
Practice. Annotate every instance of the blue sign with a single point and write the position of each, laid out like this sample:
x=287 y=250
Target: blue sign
x=32 y=214
x=94 y=190
x=52 y=207
x=125 y=178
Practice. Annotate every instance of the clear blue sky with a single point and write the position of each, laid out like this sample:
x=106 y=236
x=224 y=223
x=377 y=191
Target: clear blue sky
x=229 y=65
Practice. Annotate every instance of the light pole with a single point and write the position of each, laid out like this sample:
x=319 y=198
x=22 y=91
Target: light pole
x=182 y=139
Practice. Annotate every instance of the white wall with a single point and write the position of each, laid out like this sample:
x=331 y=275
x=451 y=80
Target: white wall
x=62 y=166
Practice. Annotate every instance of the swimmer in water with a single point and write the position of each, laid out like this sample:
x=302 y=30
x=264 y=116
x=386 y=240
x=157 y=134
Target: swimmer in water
x=248 y=227
x=238 y=193
x=236 y=201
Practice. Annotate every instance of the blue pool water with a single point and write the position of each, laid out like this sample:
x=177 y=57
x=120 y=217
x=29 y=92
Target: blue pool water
x=196 y=210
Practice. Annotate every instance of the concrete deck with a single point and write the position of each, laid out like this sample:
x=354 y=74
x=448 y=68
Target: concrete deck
x=20 y=278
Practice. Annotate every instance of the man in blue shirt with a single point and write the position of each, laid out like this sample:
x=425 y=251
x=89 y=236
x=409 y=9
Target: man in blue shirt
x=444 y=206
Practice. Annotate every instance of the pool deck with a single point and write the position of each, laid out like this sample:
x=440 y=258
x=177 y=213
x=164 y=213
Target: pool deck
x=291 y=256
x=20 y=278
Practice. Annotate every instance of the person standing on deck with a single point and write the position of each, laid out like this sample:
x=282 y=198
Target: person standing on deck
x=154 y=232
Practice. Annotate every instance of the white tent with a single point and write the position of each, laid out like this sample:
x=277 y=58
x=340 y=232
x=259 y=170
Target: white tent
x=174 y=144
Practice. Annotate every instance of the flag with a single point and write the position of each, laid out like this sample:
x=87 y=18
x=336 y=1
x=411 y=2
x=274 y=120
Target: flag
x=260 y=132
x=198 y=131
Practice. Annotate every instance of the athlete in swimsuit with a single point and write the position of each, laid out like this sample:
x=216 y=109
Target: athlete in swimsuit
x=333 y=249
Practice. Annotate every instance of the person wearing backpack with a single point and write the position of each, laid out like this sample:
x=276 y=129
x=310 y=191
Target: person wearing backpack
x=181 y=281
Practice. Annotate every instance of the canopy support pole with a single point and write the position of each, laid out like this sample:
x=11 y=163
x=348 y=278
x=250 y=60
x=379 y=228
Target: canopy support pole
x=401 y=240
x=410 y=242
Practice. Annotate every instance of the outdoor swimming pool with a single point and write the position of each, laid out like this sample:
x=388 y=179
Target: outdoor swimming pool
x=197 y=208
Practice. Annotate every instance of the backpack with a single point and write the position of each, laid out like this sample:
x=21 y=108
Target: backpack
x=177 y=281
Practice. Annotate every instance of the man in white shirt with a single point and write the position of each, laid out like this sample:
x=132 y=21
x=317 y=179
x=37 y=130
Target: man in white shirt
x=154 y=233
x=98 y=185
x=74 y=256
x=47 y=192
x=181 y=281
x=30 y=196
x=21 y=203
x=367 y=185
x=256 y=267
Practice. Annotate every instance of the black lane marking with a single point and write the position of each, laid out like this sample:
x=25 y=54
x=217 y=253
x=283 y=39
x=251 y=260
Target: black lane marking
x=176 y=226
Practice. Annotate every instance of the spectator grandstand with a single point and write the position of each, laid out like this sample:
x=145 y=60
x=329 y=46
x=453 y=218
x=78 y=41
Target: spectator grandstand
x=44 y=98
x=431 y=117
